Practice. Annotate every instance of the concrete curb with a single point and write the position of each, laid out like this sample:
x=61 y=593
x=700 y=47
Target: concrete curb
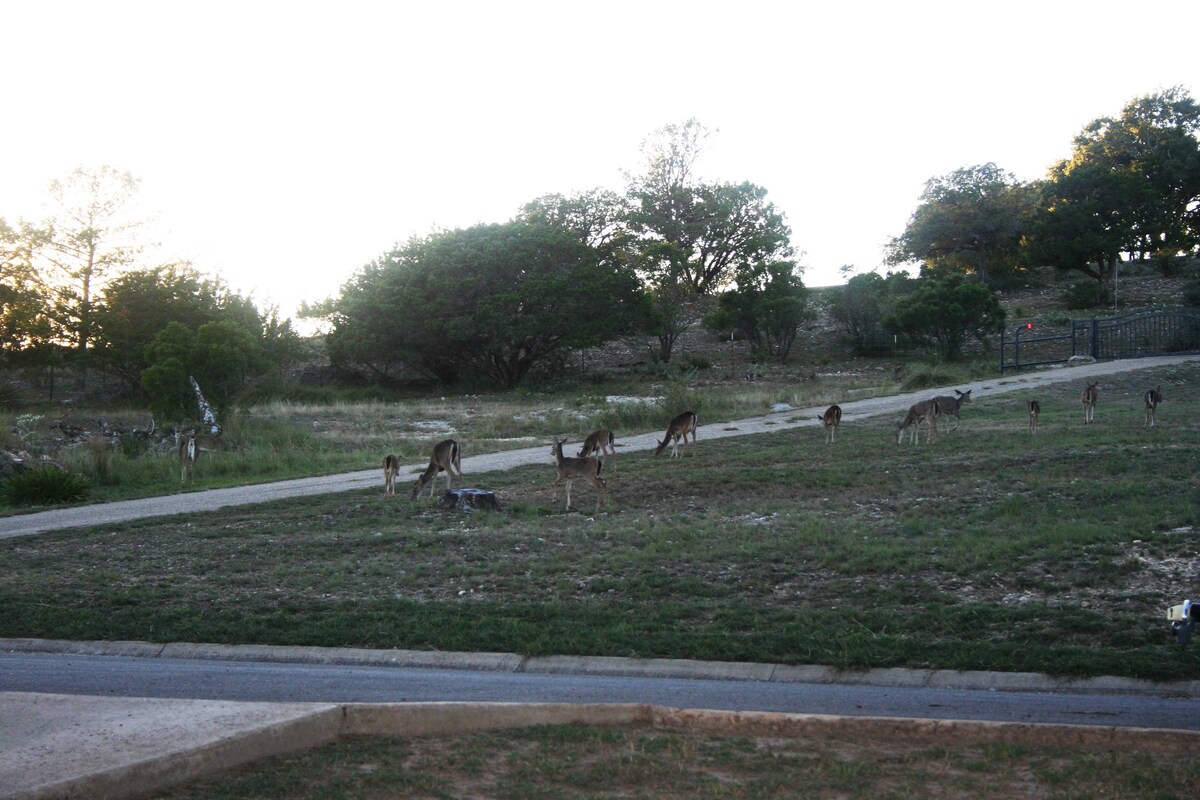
x=297 y=727
x=617 y=667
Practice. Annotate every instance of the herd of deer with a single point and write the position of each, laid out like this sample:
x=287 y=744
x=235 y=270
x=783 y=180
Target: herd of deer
x=601 y=444
x=928 y=411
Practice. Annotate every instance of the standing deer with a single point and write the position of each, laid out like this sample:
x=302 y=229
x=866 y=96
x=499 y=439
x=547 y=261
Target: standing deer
x=1152 y=398
x=446 y=458
x=391 y=468
x=1034 y=408
x=831 y=419
x=600 y=441
x=1090 y=395
x=925 y=411
x=951 y=405
x=572 y=469
x=186 y=447
x=678 y=430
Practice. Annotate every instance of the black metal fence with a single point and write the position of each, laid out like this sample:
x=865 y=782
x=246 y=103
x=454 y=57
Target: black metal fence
x=1146 y=332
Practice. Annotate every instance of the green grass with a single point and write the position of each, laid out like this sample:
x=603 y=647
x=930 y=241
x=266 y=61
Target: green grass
x=991 y=549
x=574 y=762
x=280 y=440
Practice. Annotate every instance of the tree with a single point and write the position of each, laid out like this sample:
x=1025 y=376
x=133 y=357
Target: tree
x=969 y=221
x=861 y=307
x=1086 y=219
x=90 y=237
x=221 y=356
x=767 y=308
x=694 y=233
x=598 y=217
x=136 y=305
x=491 y=301
x=1131 y=186
x=24 y=324
x=945 y=313
x=1154 y=144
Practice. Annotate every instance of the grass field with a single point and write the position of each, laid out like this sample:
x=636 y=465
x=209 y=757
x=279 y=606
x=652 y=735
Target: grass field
x=578 y=762
x=991 y=549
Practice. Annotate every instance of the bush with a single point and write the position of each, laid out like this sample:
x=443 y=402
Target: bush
x=1191 y=294
x=1089 y=294
x=44 y=486
x=133 y=445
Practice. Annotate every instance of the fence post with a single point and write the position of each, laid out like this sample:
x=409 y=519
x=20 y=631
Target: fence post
x=1095 y=345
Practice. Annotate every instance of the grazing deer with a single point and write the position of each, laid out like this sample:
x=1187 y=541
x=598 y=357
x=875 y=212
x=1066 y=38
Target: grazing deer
x=831 y=419
x=572 y=469
x=186 y=447
x=1034 y=409
x=951 y=405
x=599 y=442
x=446 y=458
x=1152 y=398
x=1090 y=395
x=677 y=431
x=391 y=468
x=925 y=411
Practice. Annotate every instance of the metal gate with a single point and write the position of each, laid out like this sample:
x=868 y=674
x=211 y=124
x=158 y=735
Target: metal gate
x=1147 y=332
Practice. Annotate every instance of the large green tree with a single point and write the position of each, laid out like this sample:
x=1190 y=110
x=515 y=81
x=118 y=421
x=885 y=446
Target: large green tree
x=944 y=314
x=136 y=305
x=969 y=221
x=1154 y=144
x=222 y=357
x=767 y=307
x=861 y=307
x=1131 y=187
x=491 y=302
x=693 y=238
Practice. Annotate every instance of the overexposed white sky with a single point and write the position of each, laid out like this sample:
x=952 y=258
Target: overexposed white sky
x=283 y=145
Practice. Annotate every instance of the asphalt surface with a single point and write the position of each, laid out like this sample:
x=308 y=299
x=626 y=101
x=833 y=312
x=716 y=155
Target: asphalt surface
x=67 y=743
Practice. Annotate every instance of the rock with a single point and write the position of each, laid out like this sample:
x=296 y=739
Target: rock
x=469 y=500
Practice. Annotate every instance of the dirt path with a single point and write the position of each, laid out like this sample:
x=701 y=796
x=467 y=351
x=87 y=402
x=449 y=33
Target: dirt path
x=213 y=499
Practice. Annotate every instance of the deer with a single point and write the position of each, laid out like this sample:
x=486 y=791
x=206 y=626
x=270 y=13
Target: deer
x=925 y=411
x=952 y=405
x=187 y=448
x=1152 y=398
x=573 y=469
x=391 y=468
x=831 y=419
x=1090 y=395
x=599 y=441
x=447 y=457
x=678 y=430
x=1034 y=409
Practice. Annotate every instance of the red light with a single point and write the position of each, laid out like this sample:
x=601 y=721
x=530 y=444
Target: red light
x=1028 y=326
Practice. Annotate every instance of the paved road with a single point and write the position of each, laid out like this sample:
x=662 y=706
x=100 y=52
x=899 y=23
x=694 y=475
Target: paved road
x=308 y=682
x=213 y=499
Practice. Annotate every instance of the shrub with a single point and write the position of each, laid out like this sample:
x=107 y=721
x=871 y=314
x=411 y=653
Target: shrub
x=1191 y=294
x=43 y=486
x=1088 y=294
x=133 y=445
